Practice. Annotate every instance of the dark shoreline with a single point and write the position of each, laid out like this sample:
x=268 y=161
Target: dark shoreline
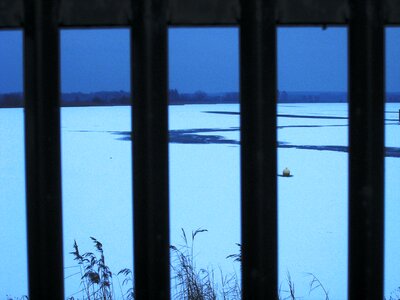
x=123 y=98
x=170 y=104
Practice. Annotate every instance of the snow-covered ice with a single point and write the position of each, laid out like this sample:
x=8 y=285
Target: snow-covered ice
x=204 y=191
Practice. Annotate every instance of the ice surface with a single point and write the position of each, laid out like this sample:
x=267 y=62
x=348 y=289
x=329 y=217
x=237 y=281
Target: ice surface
x=13 y=258
x=97 y=187
x=204 y=191
x=392 y=202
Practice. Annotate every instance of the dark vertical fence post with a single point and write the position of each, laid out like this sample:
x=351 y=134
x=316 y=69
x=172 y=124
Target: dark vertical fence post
x=42 y=150
x=258 y=149
x=150 y=149
x=366 y=194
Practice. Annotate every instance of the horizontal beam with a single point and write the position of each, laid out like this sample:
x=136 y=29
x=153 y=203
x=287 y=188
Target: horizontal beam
x=205 y=12
x=392 y=12
x=118 y=13
x=90 y=13
x=11 y=13
x=312 y=12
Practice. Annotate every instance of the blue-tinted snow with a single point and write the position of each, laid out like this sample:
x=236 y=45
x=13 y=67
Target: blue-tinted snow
x=204 y=189
x=13 y=256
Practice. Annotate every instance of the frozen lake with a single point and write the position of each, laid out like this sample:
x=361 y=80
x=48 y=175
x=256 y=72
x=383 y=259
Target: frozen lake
x=204 y=191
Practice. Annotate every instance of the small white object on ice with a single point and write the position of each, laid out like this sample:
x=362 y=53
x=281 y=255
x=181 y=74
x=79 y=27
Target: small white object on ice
x=286 y=172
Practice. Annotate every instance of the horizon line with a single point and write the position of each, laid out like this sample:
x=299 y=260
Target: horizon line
x=191 y=92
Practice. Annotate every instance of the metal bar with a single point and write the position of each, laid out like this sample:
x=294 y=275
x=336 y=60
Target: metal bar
x=312 y=12
x=95 y=13
x=366 y=163
x=258 y=149
x=150 y=149
x=42 y=150
x=392 y=12
x=11 y=13
x=92 y=13
x=205 y=12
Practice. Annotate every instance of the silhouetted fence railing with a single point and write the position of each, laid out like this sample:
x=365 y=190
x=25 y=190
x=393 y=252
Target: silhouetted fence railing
x=41 y=21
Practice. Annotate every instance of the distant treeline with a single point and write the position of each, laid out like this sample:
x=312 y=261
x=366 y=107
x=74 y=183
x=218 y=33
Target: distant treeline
x=200 y=97
x=176 y=98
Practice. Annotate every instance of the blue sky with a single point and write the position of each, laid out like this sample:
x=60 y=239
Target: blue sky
x=309 y=59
